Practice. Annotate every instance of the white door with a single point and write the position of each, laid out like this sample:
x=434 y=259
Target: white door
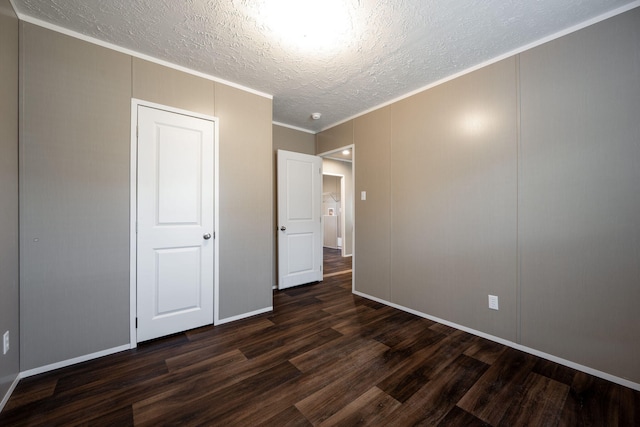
x=299 y=219
x=175 y=223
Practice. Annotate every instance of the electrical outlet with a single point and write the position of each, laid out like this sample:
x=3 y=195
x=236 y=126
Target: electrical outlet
x=493 y=302
x=5 y=342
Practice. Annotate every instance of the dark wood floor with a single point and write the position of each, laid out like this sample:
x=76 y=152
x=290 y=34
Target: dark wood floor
x=323 y=357
x=334 y=263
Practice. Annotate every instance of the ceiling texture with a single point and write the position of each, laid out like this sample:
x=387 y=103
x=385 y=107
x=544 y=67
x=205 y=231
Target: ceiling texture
x=335 y=57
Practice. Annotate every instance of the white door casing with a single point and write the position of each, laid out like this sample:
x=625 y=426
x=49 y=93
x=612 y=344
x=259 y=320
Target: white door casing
x=299 y=219
x=175 y=222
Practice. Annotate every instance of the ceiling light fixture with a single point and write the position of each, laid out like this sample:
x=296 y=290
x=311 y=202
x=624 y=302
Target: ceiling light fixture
x=316 y=116
x=309 y=24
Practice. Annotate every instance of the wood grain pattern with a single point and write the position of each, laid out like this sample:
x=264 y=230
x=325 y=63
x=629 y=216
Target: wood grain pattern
x=323 y=357
x=488 y=398
x=538 y=403
x=334 y=262
x=371 y=407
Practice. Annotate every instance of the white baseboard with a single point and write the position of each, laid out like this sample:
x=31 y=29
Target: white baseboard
x=596 y=373
x=58 y=365
x=69 y=362
x=243 y=316
x=113 y=350
x=6 y=397
x=87 y=357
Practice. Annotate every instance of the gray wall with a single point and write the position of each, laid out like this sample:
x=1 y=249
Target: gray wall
x=579 y=204
x=453 y=199
x=291 y=140
x=74 y=220
x=519 y=180
x=166 y=86
x=334 y=138
x=9 y=249
x=75 y=145
x=372 y=255
x=246 y=201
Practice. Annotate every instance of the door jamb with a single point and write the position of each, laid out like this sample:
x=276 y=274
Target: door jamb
x=133 y=210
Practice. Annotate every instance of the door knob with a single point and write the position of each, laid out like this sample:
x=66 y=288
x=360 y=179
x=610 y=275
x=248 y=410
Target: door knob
x=283 y=228
x=206 y=236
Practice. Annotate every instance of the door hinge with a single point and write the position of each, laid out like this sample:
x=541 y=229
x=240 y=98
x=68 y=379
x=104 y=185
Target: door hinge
x=137 y=131
x=136 y=323
x=320 y=268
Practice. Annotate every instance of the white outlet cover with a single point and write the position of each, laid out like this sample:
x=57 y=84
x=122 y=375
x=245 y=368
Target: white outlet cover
x=493 y=302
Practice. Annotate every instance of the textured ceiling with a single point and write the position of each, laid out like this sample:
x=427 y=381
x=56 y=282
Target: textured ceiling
x=387 y=48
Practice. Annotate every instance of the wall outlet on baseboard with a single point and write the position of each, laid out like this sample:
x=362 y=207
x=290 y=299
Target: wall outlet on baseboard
x=5 y=343
x=493 y=302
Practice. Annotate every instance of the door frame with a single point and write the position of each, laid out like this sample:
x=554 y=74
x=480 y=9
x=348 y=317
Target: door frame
x=324 y=154
x=133 y=210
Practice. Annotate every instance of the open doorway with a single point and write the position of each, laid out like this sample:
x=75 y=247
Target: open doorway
x=338 y=211
x=333 y=211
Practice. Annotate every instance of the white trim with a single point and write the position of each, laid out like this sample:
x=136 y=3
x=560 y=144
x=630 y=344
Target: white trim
x=75 y=360
x=12 y=387
x=92 y=40
x=284 y=125
x=135 y=103
x=596 y=373
x=216 y=224
x=353 y=224
x=511 y=53
x=62 y=30
x=133 y=215
x=243 y=316
x=343 y=211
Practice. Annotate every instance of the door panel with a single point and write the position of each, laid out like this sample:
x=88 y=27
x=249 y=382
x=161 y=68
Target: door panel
x=179 y=174
x=301 y=252
x=300 y=180
x=175 y=213
x=299 y=219
x=180 y=265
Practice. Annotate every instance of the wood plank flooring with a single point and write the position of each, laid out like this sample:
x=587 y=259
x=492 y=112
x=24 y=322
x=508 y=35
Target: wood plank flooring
x=334 y=263
x=323 y=357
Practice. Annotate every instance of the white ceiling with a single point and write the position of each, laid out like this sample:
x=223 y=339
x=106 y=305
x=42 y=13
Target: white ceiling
x=390 y=47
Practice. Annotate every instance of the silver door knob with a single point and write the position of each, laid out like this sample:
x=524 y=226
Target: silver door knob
x=206 y=236
x=283 y=228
